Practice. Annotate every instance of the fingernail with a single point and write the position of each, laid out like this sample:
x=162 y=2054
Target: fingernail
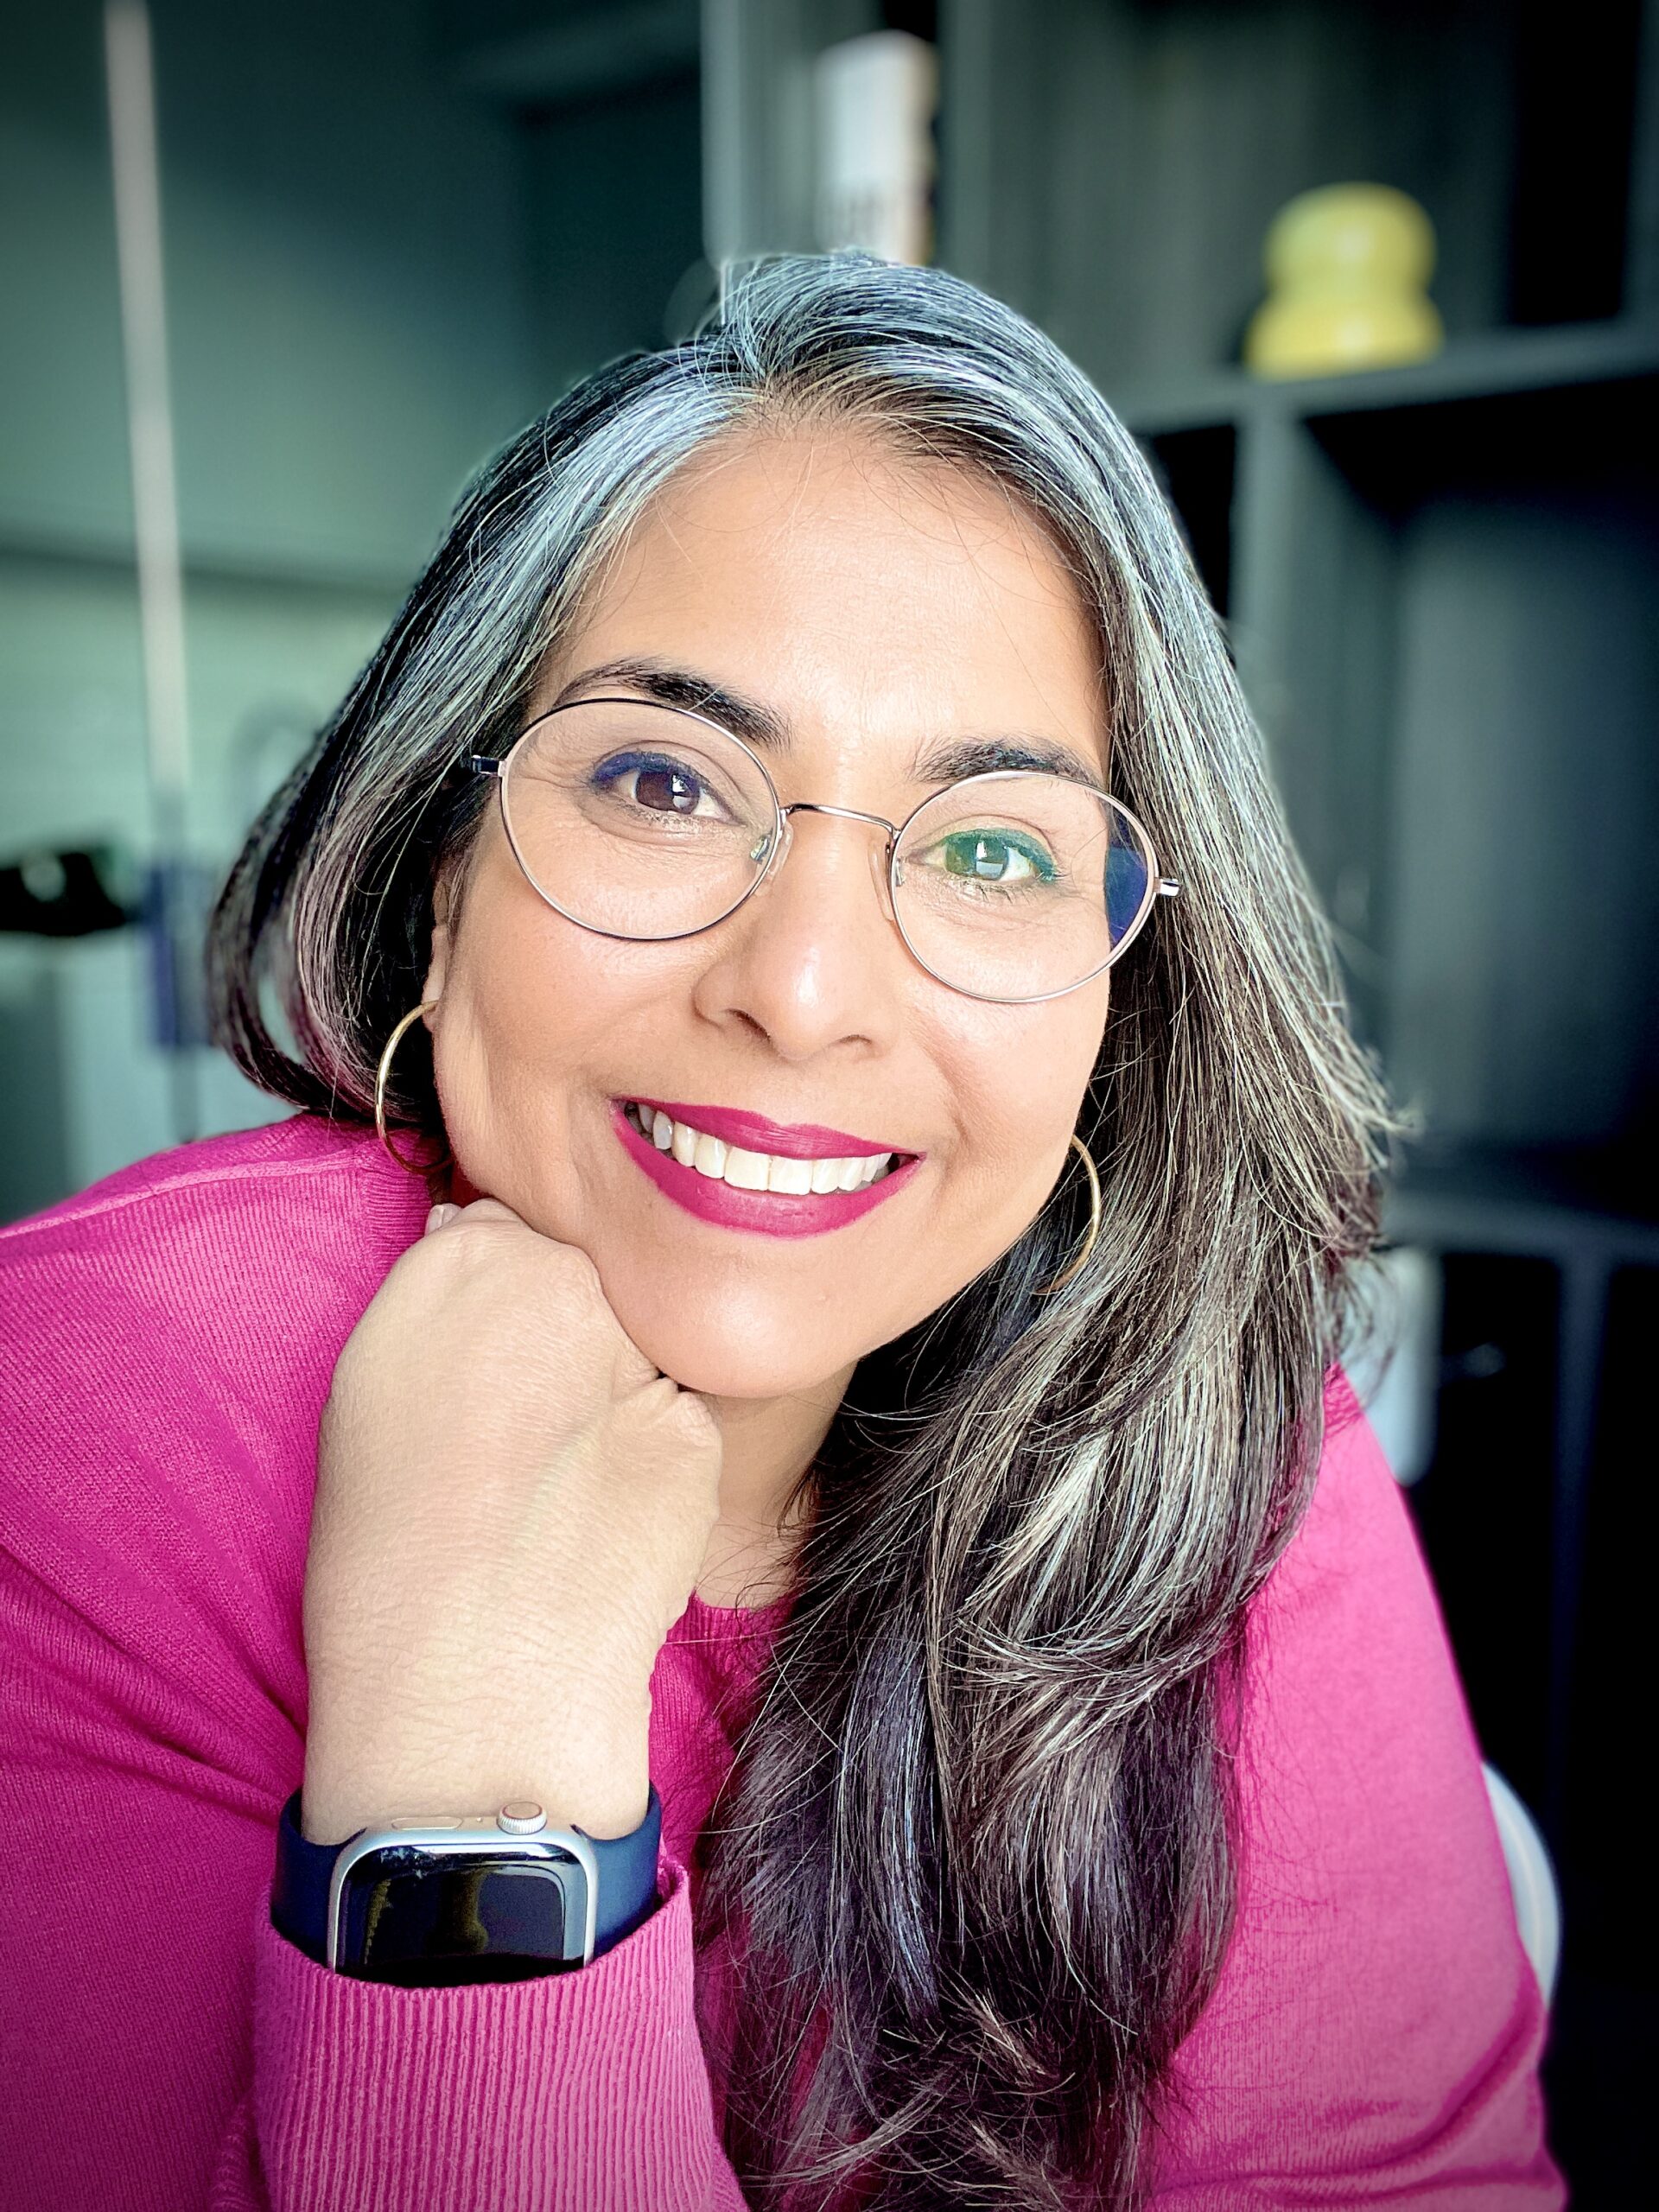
x=438 y=1216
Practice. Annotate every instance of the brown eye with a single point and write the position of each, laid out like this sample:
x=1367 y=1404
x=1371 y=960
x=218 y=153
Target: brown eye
x=669 y=790
x=665 y=787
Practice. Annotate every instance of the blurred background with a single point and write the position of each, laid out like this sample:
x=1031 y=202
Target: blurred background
x=276 y=280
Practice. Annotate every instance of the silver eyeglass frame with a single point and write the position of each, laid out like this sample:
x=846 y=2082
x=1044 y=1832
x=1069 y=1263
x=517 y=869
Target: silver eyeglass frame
x=499 y=766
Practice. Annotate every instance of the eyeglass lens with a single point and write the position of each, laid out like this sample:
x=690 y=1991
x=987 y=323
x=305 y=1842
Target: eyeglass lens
x=645 y=822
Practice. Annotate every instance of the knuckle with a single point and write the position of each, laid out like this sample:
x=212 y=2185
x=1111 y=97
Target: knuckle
x=695 y=1416
x=486 y=1209
x=574 y=1270
x=433 y=1259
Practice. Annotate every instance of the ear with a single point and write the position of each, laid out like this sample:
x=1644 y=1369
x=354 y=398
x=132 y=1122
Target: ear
x=443 y=920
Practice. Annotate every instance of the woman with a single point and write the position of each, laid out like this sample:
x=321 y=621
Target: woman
x=863 y=1392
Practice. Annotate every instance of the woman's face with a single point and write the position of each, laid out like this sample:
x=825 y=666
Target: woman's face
x=874 y=609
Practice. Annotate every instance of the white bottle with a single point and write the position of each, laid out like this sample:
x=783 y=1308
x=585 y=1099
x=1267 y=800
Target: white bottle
x=875 y=98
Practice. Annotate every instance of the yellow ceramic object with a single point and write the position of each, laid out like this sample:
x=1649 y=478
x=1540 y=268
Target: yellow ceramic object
x=1346 y=270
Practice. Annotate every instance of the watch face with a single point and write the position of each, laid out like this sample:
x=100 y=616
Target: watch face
x=429 y=1920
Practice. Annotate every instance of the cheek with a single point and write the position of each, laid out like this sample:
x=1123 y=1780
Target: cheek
x=529 y=1001
x=1017 y=1080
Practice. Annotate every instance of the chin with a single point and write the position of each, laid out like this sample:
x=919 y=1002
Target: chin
x=727 y=1356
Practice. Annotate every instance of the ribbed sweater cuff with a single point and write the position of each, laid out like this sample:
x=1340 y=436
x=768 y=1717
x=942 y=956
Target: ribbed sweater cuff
x=587 y=2091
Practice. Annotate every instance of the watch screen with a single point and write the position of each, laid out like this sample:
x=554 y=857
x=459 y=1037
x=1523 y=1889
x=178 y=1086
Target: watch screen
x=427 y=1924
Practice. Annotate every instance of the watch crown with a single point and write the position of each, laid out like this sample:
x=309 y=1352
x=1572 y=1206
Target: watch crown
x=521 y=1816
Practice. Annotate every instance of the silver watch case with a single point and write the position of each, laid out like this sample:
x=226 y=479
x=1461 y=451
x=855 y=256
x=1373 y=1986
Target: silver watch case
x=500 y=1837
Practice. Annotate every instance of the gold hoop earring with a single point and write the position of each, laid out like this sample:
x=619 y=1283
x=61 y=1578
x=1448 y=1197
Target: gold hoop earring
x=382 y=1075
x=1069 y=1272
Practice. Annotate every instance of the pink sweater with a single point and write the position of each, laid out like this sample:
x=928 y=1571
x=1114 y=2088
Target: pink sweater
x=168 y=1339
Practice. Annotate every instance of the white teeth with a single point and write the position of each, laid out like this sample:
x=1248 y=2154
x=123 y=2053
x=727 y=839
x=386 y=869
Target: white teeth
x=756 y=1171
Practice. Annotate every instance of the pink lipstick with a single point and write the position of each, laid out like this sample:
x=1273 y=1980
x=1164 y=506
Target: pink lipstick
x=767 y=1213
x=794 y=1140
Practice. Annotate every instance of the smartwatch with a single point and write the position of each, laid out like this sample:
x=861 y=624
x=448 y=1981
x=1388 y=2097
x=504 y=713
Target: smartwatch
x=433 y=1900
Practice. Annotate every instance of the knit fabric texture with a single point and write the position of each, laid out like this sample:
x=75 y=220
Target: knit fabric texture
x=167 y=1340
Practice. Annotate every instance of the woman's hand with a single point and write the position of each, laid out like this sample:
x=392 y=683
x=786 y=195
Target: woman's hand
x=512 y=1506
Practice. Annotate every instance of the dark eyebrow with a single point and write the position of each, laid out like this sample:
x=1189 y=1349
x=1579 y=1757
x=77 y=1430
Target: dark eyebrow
x=681 y=687
x=946 y=763
x=981 y=756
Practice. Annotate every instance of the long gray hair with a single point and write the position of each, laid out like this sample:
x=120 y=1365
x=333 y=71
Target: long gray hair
x=975 y=1854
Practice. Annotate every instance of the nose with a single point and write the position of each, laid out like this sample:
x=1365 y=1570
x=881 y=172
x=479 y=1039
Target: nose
x=812 y=959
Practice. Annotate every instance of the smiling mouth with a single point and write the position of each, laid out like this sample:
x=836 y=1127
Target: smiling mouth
x=819 y=1186
x=786 y=1174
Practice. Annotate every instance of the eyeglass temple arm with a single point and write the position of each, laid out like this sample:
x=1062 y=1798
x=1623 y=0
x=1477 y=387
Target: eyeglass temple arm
x=484 y=764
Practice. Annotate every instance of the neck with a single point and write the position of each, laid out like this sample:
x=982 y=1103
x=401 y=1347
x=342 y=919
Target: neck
x=769 y=1443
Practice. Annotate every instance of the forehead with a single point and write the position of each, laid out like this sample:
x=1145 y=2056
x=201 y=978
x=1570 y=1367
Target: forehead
x=851 y=587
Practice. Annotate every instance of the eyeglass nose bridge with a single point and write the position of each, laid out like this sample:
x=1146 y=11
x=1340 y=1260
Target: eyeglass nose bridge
x=882 y=869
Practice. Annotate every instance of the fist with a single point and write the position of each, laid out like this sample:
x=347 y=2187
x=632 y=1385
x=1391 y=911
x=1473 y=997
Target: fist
x=512 y=1506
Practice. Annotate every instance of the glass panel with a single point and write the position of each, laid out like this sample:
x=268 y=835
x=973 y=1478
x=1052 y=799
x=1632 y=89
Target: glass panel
x=1129 y=880
x=1008 y=885
x=636 y=818
x=413 y=1918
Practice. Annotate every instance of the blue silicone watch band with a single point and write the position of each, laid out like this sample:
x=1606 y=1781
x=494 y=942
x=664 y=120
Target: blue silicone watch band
x=299 y=1890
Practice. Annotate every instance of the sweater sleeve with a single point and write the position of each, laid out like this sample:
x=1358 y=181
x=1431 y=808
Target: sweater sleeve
x=1374 y=2035
x=163 y=2049
x=577 y=2092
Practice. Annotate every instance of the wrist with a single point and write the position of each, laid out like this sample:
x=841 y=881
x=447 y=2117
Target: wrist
x=355 y=1778
x=610 y=1807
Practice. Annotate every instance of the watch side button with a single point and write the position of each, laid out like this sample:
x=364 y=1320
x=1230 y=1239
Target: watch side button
x=521 y=1816
x=426 y=1821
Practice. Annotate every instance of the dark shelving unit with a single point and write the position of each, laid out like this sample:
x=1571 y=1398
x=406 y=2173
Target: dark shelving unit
x=1484 y=833
x=1441 y=586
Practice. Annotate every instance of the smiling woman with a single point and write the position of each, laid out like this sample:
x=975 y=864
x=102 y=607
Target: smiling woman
x=746 y=940
x=906 y=1657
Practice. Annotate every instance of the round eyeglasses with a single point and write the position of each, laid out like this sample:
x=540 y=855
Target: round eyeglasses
x=649 y=823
